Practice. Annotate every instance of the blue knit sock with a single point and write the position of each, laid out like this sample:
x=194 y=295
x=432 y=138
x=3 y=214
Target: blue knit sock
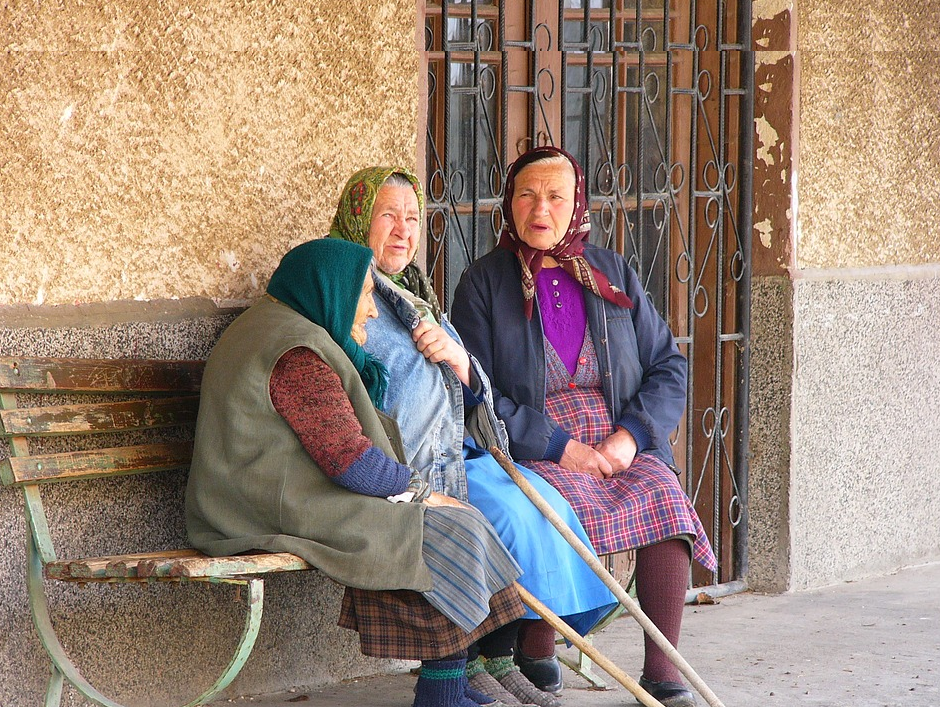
x=442 y=683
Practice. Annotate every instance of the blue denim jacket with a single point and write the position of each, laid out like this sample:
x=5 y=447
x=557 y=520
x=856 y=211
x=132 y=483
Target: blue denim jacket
x=427 y=399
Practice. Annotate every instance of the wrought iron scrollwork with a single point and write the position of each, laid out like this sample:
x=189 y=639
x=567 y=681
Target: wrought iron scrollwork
x=643 y=96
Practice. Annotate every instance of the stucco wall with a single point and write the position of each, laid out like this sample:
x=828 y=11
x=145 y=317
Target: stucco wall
x=866 y=434
x=847 y=242
x=162 y=150
x=869 y=184
x=866 y=377
x=171 y=153
x=770 y=458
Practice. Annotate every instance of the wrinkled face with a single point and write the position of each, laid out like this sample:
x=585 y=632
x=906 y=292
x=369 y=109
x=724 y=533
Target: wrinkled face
x=395 y=228
x=543 y=203
x=364 y=311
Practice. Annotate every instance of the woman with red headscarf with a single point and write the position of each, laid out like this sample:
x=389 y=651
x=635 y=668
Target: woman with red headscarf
x=590 y=383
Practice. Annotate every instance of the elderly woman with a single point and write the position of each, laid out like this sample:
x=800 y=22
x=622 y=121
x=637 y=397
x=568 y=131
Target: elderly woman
x=292 y=455
x=443 y=404
x=590 y=383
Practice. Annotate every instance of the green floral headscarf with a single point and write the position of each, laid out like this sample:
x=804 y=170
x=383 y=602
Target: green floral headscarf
x=322 y=281
x=354 y=217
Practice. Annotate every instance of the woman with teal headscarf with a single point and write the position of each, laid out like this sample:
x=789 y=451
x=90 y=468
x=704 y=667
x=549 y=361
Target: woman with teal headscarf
x=292 y=455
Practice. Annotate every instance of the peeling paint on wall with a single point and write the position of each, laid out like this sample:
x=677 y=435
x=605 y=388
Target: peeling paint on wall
x=773 y=164
x=766 y=139
x=766 y=9
x=765 y=232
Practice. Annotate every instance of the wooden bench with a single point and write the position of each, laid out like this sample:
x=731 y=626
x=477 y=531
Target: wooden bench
x=125 y=396
x=111 y=397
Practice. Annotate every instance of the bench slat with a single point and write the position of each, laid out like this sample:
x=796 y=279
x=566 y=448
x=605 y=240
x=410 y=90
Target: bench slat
x=110 y=567
x=186 y=563
x=194 y=567
x=100 y=417
x=115 y=461
x=98 y=375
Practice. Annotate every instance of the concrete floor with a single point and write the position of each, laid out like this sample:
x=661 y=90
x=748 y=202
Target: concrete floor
x=871 y=643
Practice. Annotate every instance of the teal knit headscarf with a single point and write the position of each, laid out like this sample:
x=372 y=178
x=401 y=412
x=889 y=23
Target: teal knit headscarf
x=322 y=281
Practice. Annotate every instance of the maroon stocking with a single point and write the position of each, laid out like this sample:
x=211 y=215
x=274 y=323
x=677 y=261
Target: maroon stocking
x=537 y=639
x=662 y=575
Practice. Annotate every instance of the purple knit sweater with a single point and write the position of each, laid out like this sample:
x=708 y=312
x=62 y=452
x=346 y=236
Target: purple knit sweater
x=561 y=304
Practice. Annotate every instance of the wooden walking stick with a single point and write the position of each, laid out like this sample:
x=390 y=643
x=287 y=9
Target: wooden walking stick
x=599 y=658
x=612 y=584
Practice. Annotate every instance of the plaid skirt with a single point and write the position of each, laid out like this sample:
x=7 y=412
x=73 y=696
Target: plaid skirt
x=637 y=507
x=402 y=624
x=472 y=594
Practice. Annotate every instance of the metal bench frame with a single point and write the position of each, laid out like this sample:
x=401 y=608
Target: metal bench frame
x=165 y=394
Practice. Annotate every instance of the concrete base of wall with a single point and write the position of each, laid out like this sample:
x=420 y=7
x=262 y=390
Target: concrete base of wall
x=151 y=646
x=769 y=434
x=844 y=430
x=864 y=498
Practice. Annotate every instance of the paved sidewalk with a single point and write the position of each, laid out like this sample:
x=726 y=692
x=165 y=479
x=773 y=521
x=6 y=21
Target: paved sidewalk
x=872 y=643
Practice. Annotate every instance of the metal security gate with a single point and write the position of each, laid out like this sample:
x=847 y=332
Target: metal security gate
x=650 y=97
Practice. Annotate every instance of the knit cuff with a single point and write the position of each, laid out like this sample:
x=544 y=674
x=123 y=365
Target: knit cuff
x=375 y=474
x=639 y=432
x=556 y=445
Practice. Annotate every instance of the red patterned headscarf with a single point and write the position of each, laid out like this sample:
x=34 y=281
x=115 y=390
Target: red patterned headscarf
x=569 y=251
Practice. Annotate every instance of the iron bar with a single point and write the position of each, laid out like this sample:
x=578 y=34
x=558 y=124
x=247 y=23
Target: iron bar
x=743 y=293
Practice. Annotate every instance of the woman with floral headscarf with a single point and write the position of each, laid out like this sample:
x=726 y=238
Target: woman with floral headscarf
x=590 y=384
x=443 y=405
x=292 y=455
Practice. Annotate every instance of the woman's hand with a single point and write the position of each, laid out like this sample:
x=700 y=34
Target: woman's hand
x=580 y=457
x=439 y=499
x=438 y=347
x=619 y=449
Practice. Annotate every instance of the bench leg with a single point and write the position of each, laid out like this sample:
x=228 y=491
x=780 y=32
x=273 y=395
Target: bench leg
x=584 y=667
x=245 y=644
x=64 y=668
x=54 y=692
x=61 y=665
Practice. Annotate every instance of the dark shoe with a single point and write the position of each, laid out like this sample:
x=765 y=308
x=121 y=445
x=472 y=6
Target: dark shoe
x=671 y=694
x=544 y=673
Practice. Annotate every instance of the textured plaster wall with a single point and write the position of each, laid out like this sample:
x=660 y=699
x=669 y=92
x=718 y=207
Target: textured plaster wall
x=150 y=646
x=865 y=433
x=172 y=152
x=159 y=149
x=845 y=290
x=869 y=121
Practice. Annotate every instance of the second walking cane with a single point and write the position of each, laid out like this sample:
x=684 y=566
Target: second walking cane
x=628 y=602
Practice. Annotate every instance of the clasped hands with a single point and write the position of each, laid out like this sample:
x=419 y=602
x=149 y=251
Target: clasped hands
x=613 y=454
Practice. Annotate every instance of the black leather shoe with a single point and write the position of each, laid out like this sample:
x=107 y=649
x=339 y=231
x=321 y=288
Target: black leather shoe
x=671 y=694
x=544 y=673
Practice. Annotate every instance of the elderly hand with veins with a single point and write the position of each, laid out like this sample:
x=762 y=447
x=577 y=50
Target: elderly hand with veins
x=613 y=454
x=619 y=449
x=438 y=347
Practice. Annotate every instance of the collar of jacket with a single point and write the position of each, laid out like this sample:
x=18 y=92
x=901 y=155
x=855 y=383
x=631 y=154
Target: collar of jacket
x=406 y=312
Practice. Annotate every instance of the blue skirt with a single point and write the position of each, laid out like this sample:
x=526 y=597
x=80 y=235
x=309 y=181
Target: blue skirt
x=551 y=569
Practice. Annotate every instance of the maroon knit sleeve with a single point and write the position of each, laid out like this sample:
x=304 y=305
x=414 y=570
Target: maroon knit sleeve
x=310 y=397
